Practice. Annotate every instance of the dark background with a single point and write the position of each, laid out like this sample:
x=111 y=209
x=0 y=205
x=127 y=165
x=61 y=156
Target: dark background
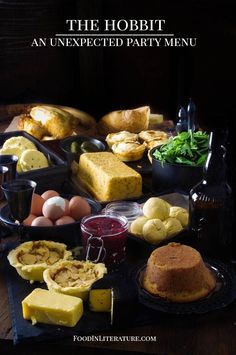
x=101 y=79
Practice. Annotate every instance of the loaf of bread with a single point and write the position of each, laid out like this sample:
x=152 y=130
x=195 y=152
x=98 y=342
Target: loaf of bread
x=55 y=122
x=133 y=121
x=107 y=178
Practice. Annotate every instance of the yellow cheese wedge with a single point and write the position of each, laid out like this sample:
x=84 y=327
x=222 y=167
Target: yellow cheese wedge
x=155 y=118
x=108 y=178
x=100 y=300
x=43 y=306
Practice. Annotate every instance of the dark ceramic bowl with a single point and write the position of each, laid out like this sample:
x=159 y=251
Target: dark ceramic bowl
x=68 y=233
x=65 y=145
x=174 y=177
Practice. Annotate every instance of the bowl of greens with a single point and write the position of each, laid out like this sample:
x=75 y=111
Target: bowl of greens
x=178 y=164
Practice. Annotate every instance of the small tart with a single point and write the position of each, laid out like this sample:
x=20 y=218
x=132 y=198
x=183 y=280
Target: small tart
x=129 y=151
x=30 y=259
x=122 y=136
x=150 y=135
x=156 y=143
x=73 y=277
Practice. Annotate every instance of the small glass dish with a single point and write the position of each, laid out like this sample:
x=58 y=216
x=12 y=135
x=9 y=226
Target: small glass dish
x=130 y=210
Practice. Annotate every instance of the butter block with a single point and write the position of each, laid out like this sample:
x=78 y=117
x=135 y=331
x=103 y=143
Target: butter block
x=108 y=178
x=100 y=300
x=49 y=307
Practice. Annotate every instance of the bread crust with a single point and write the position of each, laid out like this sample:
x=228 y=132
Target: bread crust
x=134 y=121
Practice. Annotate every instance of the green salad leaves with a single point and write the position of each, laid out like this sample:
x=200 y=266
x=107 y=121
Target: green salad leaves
x=188 y=148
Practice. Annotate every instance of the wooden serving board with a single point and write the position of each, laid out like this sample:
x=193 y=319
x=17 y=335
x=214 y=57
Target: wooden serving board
x=12 y=112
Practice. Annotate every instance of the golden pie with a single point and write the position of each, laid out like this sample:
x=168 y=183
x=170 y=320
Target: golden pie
x=150 y=135
x=129 y=151
x=73 y=277
x=122 y=136
x=30 y=259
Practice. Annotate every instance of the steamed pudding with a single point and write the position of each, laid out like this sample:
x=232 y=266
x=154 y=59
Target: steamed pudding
x=177 y=272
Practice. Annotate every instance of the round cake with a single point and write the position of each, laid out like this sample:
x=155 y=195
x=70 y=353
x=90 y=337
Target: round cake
x=177 y=272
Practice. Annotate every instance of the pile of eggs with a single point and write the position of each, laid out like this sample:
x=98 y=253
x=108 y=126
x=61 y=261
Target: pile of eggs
x=50 y=209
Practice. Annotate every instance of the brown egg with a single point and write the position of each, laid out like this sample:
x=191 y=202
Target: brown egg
x=37 y=205
x=79 y=207
x=42 y=222
x=49 y=193
x=55 y=207
x=28 y=221
x=64 y=220
x=67 y=209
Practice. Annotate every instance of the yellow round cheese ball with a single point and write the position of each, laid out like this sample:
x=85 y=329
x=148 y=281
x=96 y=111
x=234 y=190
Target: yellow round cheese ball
x=136 y=226
x=172 y=226
x=155 y=207
x=154 y=231
x=181 y=214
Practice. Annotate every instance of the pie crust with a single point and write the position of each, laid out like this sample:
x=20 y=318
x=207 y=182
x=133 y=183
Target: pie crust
x=30 y=259
x=129 y=151
x=74 y=277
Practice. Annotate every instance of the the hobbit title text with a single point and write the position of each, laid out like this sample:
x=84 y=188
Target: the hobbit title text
x=115 y=33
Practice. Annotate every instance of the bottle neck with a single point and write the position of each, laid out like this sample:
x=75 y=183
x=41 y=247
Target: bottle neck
x=215 y=168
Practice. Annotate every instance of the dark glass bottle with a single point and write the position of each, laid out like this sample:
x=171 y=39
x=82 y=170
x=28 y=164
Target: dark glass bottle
x=182 y=123
x=191 y=114
x=211 y=206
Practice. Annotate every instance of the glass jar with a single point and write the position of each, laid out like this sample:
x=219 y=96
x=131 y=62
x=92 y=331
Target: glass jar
x=104 y=238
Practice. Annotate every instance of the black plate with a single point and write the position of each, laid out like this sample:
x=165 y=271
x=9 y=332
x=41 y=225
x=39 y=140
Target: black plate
x=222 y=296
x=77 y=188
x=142 y=166
x=24 y=331
x=181 y=237
x=68 y=233
x=52 y=177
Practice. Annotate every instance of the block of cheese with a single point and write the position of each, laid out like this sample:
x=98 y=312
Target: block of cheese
x=107 y=178
x=100 y=300
x=43 y=306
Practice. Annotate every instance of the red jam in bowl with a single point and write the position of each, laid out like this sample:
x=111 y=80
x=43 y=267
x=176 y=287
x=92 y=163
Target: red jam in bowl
x=104 y=238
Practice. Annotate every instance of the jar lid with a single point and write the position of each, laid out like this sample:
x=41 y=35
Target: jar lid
x=131 y=210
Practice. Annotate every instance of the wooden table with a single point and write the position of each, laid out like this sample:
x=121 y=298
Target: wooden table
x=212 y=333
